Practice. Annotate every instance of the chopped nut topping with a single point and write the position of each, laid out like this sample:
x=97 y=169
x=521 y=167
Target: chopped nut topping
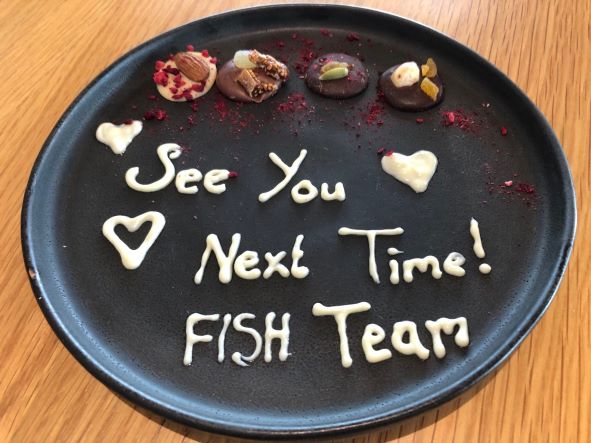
x=430 y=88
x=252 y=85
x=271 y=66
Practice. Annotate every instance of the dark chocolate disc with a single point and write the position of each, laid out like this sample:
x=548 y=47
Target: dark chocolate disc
x=345 y=87
x=409 y=98
x=228 y=84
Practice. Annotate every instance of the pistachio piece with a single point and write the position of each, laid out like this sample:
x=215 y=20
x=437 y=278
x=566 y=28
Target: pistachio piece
x=332 y=65
x=334 y=74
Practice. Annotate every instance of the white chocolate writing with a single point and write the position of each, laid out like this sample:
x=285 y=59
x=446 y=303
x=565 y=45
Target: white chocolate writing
x=133 y=258
x=371 y=239
x=244 y=265
x=237 y=357
x=447 y=326
x=340 y=314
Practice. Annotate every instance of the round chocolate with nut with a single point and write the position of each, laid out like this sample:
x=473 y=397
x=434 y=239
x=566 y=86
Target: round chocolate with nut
x=251 y=76
x=185 y=76
x=411 y=87
x=337 y=76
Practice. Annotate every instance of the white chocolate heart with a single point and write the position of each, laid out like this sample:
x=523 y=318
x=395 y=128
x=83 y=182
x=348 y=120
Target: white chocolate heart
x=133 y=258
x=118 y=137
x=413 y=170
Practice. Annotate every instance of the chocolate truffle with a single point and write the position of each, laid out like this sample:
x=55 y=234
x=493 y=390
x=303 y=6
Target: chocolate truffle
x=259 y=80
x=337 y=76
x=418 y=88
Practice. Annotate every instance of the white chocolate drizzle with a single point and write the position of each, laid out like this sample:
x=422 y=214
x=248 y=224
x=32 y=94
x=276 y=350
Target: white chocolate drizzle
x=289 y=172
x=193 y=338
x=338 y=194
x=414 y=345
x=237 y=357
x=373 y=335
x=453 y=264
x=213 y=177
x=281 y=334
x=296 y=254
x=118 y=137
x=340 y=314
x=485 y=268
x=166 y=152
x=133 y=258
x=414 y=170
x=371 y=239
x=475 y=233
x=244 y=265
x=275 y=265
x=422 y=264
x=447 y=326
x=224 y=261
x=394 y=267
x=222 y=337
x=188 y=176
x=309 y=195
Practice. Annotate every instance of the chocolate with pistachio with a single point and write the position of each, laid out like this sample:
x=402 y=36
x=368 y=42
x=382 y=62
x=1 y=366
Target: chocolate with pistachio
x=337 y=76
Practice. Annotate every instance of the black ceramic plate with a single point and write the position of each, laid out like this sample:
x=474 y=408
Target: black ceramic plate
x=127 y=327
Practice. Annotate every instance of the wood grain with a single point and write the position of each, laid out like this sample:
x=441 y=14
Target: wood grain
x=52 y=49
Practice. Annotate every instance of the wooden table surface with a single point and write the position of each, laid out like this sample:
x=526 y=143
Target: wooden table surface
x=52 y=49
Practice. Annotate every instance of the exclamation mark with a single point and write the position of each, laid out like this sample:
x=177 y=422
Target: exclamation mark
x=484 y=268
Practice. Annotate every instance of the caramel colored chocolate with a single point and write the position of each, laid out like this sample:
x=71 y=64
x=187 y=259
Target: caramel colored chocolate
x=232 y=82
x=409 y=98
x=346 y=87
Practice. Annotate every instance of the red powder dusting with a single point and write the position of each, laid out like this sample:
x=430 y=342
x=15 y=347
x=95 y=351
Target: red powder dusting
x=511 y=190
x=380 y=151
x=170 y=70
x=221 y=108
x=295 y=102
x=420 y=120
x=160 y=78
x=190 y=48
x=151 y=97
x=159 y=65
x=389 y=153
x=280 y=44
x=504 y=131
x=375 y=110
x=467 y=122
x=525 y=188
x=128 y=122
x=353 y=37
x=156 y=113
x=306 y=55
x=233 y=174
x=449 y=118
x=213 y=60
x=326 y=33
x=205 y=53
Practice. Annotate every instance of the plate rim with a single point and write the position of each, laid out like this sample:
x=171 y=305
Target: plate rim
x=115 y=383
